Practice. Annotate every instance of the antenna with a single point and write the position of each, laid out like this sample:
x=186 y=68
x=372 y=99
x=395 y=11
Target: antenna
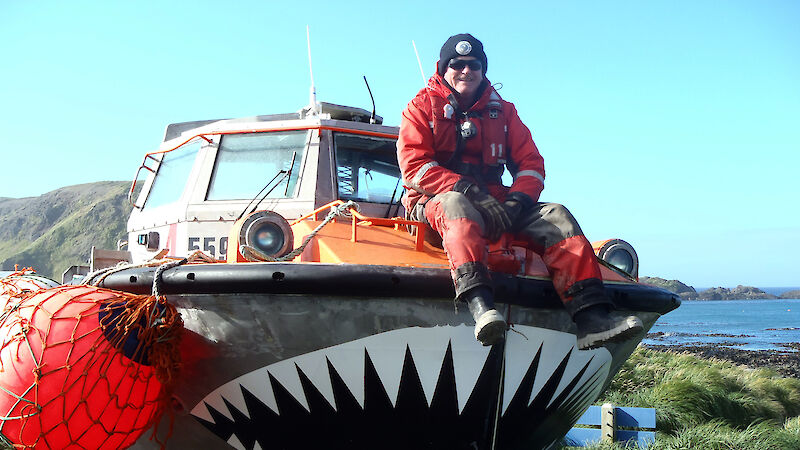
x=312 y=97
x=372 y=117
x=421 y=72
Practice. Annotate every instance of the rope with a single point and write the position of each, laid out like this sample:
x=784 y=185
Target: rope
x=253 y=254
x=157 y=278
x=157 y=316
x=197 y=256
x=89 y=279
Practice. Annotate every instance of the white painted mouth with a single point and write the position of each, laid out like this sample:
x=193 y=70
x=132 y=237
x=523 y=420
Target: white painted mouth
x=428 y=347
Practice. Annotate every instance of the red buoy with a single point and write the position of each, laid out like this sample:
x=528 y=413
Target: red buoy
x=15 y=286
x=68 y=378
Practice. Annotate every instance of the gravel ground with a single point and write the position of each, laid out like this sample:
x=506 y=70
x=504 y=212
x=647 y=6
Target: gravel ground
x=786 y=363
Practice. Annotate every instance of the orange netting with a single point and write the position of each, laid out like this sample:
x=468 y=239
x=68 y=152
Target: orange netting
x=20 y=282
x=84 y=367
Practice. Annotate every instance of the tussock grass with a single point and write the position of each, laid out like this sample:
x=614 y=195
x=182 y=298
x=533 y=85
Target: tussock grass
x=793 y=424
x=709 y=404
x=718 y=435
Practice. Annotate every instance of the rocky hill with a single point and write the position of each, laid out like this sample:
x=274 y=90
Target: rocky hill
x=670 y=285
x=58 y=229
x=738 y=293
x=718 y=293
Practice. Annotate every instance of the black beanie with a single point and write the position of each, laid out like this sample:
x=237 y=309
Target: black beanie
x=461 y=45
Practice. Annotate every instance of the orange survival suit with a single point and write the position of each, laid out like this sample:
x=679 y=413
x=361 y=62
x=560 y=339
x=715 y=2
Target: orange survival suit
x=434 y=155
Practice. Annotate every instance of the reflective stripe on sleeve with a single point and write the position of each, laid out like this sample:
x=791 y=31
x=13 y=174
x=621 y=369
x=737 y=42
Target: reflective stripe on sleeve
x=530 y=173
x=418 y=177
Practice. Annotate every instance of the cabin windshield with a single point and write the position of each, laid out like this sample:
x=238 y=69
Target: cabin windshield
x=366 y=168
x=247 y=162
x=173 y=172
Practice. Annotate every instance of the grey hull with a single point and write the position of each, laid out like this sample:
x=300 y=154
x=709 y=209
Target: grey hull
x=283 y=370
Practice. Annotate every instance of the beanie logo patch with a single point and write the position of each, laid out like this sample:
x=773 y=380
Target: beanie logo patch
x=463 y=48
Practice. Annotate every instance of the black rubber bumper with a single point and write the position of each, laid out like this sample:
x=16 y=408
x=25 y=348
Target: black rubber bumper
x=365 y=280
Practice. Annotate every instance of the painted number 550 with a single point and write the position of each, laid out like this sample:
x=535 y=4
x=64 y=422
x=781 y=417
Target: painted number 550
x=210 y=245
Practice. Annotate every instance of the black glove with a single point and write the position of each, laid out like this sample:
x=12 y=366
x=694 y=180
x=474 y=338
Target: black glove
x=494 y=214
x=513 y=209
x=516 y=203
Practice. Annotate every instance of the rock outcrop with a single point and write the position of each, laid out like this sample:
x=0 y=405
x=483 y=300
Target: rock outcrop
x=670 y=285
x=738 y=293
x=718 y=293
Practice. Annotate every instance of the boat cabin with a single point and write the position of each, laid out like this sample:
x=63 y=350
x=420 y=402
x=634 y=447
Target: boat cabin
x=207 y=174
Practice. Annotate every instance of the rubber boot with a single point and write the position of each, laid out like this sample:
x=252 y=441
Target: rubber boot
x=490 y=327
x=599 y=324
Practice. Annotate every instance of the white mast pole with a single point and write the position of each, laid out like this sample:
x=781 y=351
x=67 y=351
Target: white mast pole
x=421 y=72
x=313 y=94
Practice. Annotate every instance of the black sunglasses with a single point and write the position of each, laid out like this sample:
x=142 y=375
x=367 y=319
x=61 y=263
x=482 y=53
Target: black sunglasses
x=459 y=64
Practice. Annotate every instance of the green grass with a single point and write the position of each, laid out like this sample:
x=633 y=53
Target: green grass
x=709 y=404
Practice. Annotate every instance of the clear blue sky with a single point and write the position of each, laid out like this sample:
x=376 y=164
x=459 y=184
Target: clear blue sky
x=671 y=124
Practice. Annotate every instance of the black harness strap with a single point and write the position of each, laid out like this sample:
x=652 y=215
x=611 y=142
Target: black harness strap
x=456 y=156
x=489 y=175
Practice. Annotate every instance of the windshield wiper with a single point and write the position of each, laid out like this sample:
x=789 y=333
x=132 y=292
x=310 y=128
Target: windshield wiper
x=285 y=173
x=289 y=175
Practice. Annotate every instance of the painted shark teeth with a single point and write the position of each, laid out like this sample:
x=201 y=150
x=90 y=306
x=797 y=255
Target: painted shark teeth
x=427 y=348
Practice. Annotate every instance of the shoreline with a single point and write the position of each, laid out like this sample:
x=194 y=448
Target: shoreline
x=786 y=363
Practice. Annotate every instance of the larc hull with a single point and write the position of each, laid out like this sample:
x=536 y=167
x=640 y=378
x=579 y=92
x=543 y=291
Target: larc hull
x=296 y=370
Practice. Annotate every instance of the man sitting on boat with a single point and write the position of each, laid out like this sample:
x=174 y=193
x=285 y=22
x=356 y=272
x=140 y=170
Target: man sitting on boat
x=456 y=136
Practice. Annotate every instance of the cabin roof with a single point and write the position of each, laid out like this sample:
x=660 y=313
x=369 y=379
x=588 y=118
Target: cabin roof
x=326 y=111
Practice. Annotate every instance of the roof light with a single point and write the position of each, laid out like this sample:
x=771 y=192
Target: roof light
x=619 y=254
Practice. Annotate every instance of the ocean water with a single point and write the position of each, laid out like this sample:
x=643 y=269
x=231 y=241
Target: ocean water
x=743 y=324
